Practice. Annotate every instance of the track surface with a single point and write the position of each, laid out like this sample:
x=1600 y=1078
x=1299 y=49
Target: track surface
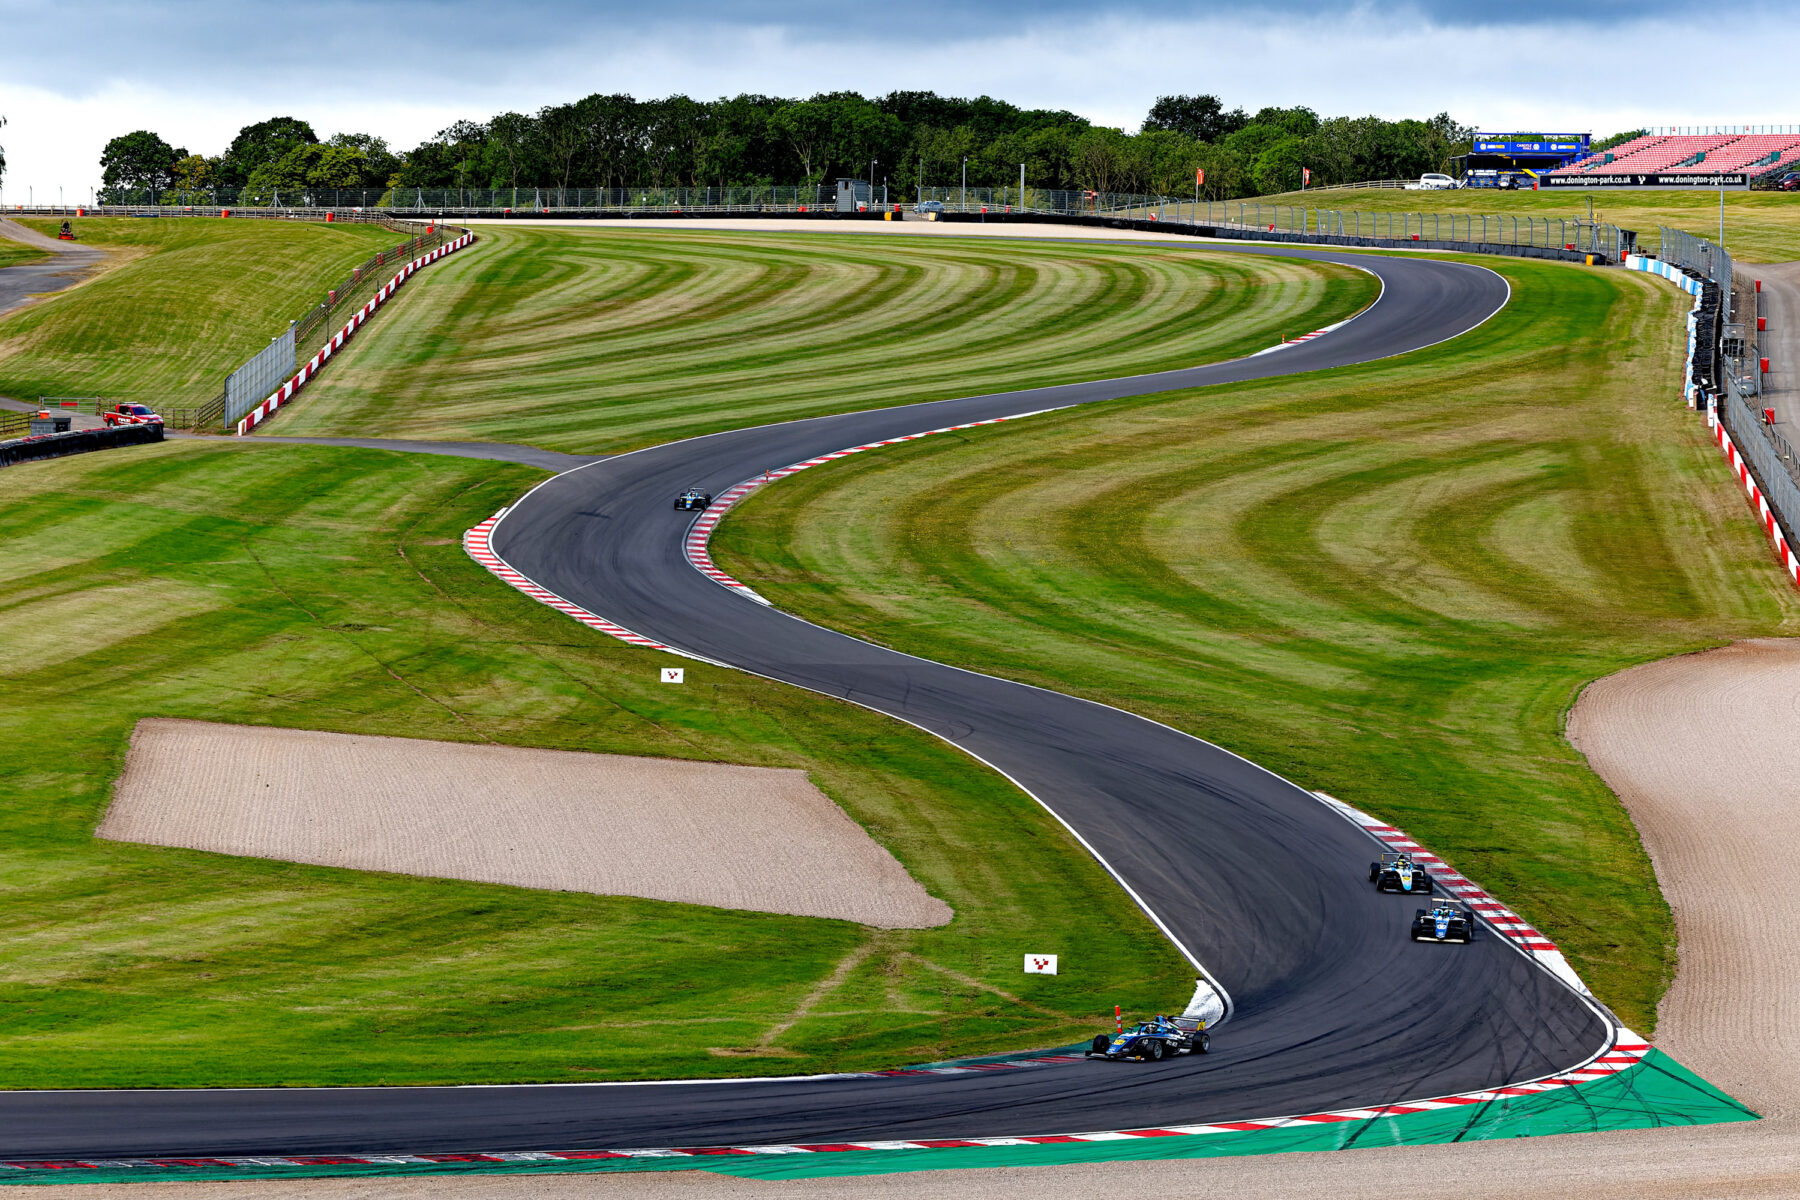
x=1261 y=883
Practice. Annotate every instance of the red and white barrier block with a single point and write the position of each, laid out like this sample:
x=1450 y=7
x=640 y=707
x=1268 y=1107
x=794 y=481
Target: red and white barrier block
x=1783 y=552
x=266 y=409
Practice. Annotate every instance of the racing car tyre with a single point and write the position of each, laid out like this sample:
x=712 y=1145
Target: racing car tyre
x=1203 y=1044
x=1374 y=872
x=1154 y=1049
x=1101 y=1042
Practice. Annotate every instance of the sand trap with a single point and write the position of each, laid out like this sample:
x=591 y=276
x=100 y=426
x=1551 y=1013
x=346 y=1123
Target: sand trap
x=697 y=833
x=1704 y=751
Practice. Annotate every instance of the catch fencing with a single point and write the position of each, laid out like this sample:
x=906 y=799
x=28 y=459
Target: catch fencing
x=265 y=371
x=1493 y=229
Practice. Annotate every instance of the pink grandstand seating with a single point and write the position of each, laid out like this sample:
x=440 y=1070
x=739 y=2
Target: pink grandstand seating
x=1671 y=150
x=1744 y=152
x=1724 y=152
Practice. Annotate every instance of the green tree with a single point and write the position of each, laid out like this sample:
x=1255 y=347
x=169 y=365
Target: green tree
x=138 y=161
x=261 y=144
x=1202 y=118
x=307 y=168
x=1277 y=168
x=381 y=163
x=191 y=174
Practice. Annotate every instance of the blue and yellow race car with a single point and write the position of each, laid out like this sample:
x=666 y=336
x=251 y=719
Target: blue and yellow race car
x=1399 y=873
x=1154 y=1040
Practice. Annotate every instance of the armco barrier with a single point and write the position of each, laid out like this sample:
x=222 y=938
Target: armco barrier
x=1748 y=462
x=1692 y=285
x=79 y=441
x=267 y=408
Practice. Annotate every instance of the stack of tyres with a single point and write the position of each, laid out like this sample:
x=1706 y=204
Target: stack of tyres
x=58 y=445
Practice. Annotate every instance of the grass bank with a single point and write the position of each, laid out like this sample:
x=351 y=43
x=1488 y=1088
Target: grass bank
x=1388 y=582
x=184 y=301
x=326 y=589
x=1759 y=226
x=16 y=254
x=599 y=340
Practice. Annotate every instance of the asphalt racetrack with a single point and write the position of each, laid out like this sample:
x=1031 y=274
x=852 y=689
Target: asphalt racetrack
x=1263 y=885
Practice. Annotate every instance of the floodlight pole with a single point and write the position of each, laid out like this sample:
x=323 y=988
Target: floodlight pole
x=962 y=205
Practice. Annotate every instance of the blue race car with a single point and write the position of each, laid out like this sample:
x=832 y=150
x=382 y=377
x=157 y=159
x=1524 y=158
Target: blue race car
x=693 y=498
x=1444 y=922
x=1154 y=1040
x=1399 y=873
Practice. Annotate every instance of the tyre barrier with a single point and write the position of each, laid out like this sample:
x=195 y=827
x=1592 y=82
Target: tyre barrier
x=80 y=441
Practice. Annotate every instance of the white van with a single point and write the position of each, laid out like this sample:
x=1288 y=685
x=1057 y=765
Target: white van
x=1432 y=182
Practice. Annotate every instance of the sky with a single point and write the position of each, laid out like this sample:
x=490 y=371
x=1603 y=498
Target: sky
x=195 y=71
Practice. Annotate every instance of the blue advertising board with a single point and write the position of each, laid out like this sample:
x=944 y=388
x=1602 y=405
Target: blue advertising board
x=1531 y=143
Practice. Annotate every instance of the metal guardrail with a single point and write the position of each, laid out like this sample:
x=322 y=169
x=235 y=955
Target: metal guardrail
x=1769 y=455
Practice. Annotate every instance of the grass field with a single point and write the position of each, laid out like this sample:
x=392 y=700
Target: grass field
x=184 y=302
x=13 y=254
x=1387 y=582
x=1759 y=226
x=604 y=340
x=326 y=589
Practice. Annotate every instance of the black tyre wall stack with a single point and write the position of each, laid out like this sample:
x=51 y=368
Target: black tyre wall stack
x=59 y=445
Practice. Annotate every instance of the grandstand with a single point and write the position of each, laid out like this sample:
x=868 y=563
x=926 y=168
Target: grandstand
x=1752 y=153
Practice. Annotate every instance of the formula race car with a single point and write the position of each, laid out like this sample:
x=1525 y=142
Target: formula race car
x=1154 y=1040
x=693 y=498
x=1399 y=873
x=130 y=414
x=1444 y=923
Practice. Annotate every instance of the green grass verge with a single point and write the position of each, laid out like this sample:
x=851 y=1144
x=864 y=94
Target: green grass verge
x=14 y=254
x=1759 y=226
x=1387 y=582
x=599 y=340
x=326 y=589
x=182 y=302
x=1659 y=1093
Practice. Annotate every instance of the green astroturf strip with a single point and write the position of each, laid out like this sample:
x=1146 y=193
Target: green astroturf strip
x=1658 y=1092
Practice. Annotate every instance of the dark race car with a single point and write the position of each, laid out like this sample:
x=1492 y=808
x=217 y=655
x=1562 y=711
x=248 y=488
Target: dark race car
x=1154 y=1040
x=693 y=498
x=1399 y=873
x=1444 y=922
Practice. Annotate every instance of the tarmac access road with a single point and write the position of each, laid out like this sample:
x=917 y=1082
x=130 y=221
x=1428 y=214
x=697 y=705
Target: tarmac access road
x=1260 y=882
x=71 y=264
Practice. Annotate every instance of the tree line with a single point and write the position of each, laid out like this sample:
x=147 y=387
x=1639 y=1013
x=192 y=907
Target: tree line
x=903 y=140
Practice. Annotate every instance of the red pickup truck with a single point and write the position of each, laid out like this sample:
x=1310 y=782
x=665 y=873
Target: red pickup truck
x=130 y=414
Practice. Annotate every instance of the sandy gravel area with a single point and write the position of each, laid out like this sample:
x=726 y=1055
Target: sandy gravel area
x=1704 y=750
x=698 y=833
